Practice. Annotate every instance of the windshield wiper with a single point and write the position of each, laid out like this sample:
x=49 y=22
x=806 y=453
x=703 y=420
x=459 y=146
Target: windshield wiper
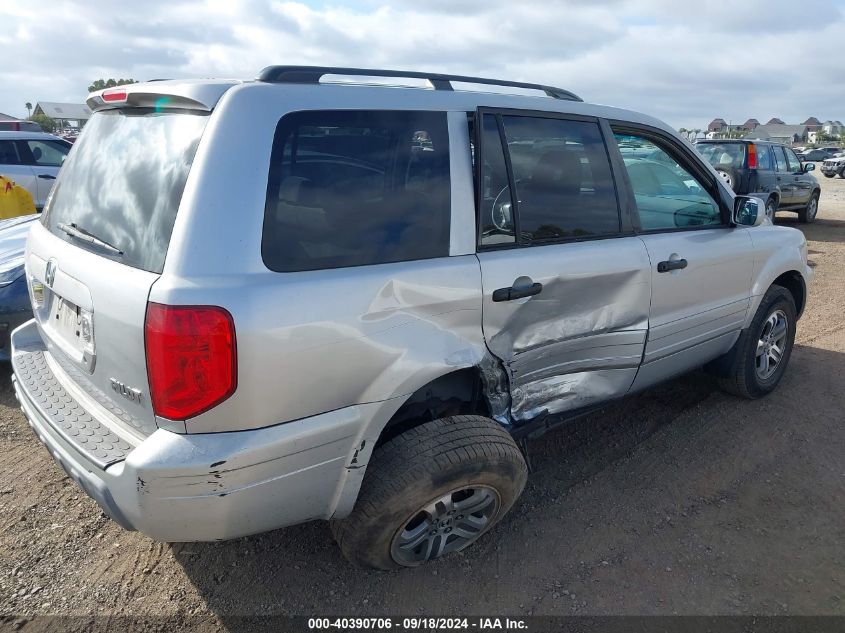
x=85 y=236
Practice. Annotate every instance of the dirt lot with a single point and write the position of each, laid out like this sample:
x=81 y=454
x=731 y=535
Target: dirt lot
x=681 y=500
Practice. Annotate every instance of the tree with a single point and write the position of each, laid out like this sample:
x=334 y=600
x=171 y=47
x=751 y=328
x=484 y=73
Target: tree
x=697 y=131
x=99 y=84
x=47 y=124
x=684 y=131
x=28 y=108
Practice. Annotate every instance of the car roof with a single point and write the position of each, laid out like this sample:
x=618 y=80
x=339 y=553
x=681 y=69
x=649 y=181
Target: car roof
x=24 y=136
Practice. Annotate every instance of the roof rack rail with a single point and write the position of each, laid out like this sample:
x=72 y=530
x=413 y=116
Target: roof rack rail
x=313 y=74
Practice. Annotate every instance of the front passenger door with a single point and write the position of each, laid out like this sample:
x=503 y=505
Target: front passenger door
x=802 y=182
x=783 y=177
x=700 y=265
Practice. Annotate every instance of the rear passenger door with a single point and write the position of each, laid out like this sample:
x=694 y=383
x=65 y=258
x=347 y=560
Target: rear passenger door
x=700 y=265
x=802 y=183
x=45 y=158
x=566 y=283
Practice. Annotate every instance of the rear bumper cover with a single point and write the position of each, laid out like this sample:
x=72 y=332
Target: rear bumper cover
x=213 y=486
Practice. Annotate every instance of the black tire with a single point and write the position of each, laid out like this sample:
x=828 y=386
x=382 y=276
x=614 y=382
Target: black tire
x=729 y=176
x=808 y=214
x=743 y=378
x=772 y=207
x=438 y=459
x=830 y=175
x=842 y=173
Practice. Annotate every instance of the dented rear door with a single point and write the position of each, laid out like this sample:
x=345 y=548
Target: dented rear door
x=566 y=286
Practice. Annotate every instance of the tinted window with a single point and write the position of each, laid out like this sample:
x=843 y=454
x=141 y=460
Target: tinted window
x=124 y=180
x=46 y=153
x=764 y=157
x=780 y=160
x=350 y=188
x=668 y=196
x=497 y=222
x=8 y=153
x=563 y=180
x=792 y=160
x=723 y=154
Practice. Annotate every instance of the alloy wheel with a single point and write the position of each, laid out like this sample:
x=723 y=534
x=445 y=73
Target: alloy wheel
x=447 y=524
x=771 y=344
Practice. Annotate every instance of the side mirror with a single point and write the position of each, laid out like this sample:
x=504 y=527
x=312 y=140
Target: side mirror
x=809 y=167
x=749 y=211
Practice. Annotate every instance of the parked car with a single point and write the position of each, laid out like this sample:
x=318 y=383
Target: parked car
x=294 y=310
x=770 y=171
x=813 y=155
x=32 y=160
x=15 y=308
x=19 y=126
x=835 y=165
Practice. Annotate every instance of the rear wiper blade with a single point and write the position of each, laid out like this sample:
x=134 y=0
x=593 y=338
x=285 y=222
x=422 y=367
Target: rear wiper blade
x=85 y=236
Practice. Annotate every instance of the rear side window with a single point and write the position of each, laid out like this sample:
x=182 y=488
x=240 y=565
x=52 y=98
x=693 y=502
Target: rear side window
x=352 y=188
x=123 y=182
x=780 y=159
x=563 y=180
x=46 y=153
x=9 y=153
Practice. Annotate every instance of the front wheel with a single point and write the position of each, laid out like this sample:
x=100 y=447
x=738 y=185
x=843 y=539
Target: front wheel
x=432 y=490
x=831 y=175
x=771 y=208
x=765 y=348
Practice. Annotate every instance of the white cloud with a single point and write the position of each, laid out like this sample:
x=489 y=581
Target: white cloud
x=681 y=61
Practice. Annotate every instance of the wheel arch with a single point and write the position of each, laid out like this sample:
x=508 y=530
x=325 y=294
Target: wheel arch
x=794 y=282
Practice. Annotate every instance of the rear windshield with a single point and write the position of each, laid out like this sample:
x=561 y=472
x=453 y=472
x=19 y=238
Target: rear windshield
x=351 y=188
x=123 y=182
x=724 y=154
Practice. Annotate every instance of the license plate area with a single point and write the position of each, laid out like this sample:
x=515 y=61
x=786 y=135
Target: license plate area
x=71 y=328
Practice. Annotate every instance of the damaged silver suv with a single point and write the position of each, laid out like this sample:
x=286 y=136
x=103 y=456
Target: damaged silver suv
x=311 y=296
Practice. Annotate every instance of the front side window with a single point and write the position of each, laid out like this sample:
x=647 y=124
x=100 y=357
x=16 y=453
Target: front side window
x=792 y=160
x=563 y=180
x=352 y=188
x=47 y=153
x=668 y=196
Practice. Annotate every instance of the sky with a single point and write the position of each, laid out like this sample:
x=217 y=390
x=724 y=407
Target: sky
x=683 y=61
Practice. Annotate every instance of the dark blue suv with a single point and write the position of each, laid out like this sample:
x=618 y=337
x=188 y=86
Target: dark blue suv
x=767 y=170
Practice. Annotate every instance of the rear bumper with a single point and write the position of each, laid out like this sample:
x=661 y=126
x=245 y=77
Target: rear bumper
x=213 y=486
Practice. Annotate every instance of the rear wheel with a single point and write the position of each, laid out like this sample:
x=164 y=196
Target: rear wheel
x=808 y=213
x=765 y=348
x=831 y=175
x=771 y=208
x=433 y=490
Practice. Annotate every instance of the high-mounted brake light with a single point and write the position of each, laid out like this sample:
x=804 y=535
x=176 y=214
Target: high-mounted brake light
x=192 y=361
x=752 y=156
x=114 y=96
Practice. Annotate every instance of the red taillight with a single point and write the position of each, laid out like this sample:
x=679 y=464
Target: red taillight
x=112 y=96
x=192 y=361
x=752 y=156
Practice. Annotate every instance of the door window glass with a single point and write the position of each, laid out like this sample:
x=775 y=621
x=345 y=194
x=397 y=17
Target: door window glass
x=792 y=160
x=8 y=153
x=356 y=187
x=668 y=196
x=47 y=153
x=779 y=158
x=563 y=179
x=497 y=221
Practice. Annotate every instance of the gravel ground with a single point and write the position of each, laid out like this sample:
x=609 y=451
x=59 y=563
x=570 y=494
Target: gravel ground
x=682 y=500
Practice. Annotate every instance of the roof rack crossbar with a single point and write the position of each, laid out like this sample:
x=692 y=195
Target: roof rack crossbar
x=313 y=74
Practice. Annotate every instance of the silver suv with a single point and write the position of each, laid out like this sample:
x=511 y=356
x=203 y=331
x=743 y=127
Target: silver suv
x=266 y=302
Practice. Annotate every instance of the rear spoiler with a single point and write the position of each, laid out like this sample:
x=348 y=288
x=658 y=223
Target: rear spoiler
x=190 y=95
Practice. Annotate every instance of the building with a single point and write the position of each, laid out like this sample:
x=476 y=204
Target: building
x=775 y=121
x=717 y=125
x=751 y=124
x=780 y=133
x=812 y=124
x=66 y=115
x=13 y=124
x=833 y=128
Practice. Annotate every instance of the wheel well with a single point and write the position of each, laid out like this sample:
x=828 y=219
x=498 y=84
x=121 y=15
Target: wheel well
x=457 y=393
x=794 y=282
x=775 y=196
